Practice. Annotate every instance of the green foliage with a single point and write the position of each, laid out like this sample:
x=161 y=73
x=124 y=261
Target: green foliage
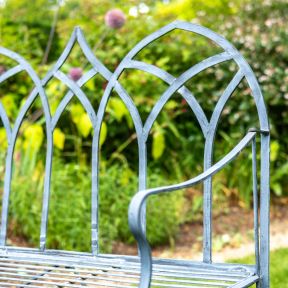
x=280 y=170
x=158 y=145
x=278 y=270
x=191 y=9
x=70 y=205
x=25 y=25
x=260 y=32
x=256 y=28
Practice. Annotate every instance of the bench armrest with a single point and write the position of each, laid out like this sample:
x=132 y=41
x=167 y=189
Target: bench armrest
x=137 y=202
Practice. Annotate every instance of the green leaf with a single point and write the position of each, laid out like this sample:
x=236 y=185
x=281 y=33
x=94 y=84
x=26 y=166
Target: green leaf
x=162 y=61
x=34 y=136
x=84 y=125
x=90 y=85
x=174 y=130
x=171 y=105
x=77 y=112
x=103 y=134
x=9 y=104
x=54 y=106
x=158 y=144
x=52 y=88
x=119 y=109
x=3 y=139
x=279 y=172
x=277 y=188
x=59 y=138
x=274 y=150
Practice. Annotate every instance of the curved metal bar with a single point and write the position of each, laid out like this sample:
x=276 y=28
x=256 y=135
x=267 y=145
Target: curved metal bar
x=208 y=155
x=112 y=83
x=132 y=108
x=77 y=36
x=30 y=100
x=180 y=81
x=99 y=67
x=137 y=121
x=79 y=94
x=61 y=60
x=18 y=122
x=256 y=92
x=222 y=102
x=11 y=72
x=242 y=63
x=76 y=90
x=142 y=149
x=3 y=115
x=209 y=172
x=69 y=95
x=95 y=146
x=184 y=91
x=128 y=58
x=90 y=56
x=145 y=42
x=207 y=33
x=95 y=157
x=222 y=42
x=6 y=122
x=8 y=172
x=135 y=207
x=187 y=26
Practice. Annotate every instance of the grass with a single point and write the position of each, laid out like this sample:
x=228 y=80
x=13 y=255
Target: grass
x=279 y=267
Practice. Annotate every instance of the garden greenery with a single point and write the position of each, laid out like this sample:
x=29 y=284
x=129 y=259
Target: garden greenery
x=175 y=147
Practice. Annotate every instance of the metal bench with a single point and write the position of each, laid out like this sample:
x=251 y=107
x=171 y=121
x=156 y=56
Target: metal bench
x=27 y=267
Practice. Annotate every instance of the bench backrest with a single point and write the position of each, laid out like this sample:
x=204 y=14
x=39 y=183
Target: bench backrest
x=208 y=127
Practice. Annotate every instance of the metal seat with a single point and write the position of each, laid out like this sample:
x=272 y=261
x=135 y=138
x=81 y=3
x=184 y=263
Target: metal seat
x=46 y=268
x=34 y=270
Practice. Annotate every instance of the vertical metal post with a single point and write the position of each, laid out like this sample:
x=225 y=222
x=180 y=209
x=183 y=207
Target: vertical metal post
x=142 y=176
x=207 y=205
x=255 y=203
x=265 y=211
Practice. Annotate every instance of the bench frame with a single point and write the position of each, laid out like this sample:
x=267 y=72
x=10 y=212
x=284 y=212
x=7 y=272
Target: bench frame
x=137 y=210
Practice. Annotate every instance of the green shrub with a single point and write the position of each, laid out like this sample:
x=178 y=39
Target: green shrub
x=258 y=29
x=278 y=272
x=70 y=205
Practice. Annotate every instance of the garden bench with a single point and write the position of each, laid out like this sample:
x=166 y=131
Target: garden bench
x=43 y=267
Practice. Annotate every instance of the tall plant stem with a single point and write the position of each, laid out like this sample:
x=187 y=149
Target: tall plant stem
x=51 y=35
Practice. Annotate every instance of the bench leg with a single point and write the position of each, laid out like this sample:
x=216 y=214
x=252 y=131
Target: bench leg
x=264 y=213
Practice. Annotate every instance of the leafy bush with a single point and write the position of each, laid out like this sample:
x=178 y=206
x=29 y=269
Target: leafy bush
x=70 y=206
x=257 y=28
x=262 y=36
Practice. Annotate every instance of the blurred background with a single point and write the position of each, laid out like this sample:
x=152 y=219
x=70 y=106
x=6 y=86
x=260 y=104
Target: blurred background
x=39 y=30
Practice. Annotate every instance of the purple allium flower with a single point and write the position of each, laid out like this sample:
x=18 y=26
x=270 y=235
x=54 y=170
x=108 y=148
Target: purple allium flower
x=75 y=73
x=2 y=69
x=115 y=18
